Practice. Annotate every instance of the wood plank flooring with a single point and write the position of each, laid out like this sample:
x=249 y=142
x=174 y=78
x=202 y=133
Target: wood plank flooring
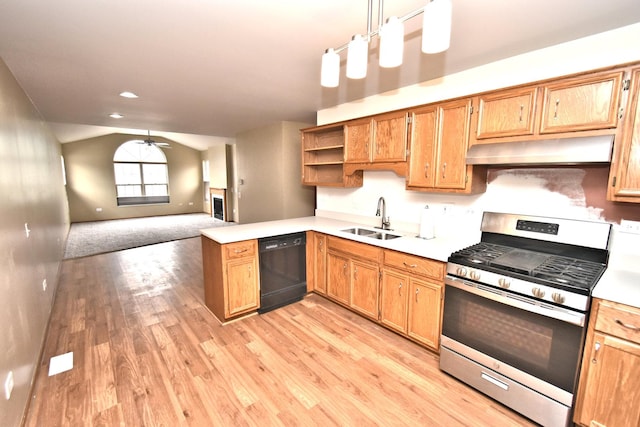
x=147 y=352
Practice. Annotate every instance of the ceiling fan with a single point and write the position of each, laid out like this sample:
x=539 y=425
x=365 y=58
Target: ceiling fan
x=150 y=142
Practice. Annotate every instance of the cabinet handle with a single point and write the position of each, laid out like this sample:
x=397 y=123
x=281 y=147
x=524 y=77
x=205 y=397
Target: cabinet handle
x=239 y=251
x=626 y=325
x=426 y=170
x=417 y=292
x=595 y=354
x=355 y=273
x=555 y=113
x=521 y=110
x=444 y=170
x=409 y=265
x=400 y=289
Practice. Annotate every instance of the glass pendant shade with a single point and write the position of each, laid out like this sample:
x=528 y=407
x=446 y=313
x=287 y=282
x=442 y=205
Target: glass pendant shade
x=391 y=43
x=357 y=56
x=330 y=72
x=436 y=26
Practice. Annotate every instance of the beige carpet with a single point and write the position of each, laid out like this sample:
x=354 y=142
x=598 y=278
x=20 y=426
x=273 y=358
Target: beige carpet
x=91 y=238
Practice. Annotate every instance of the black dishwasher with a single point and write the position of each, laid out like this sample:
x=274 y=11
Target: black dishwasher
x=283 y=270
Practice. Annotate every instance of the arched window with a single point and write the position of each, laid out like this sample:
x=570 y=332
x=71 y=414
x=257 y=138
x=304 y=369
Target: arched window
x=141 y=174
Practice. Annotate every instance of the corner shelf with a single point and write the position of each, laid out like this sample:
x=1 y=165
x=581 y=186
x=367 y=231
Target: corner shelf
x=323 y=158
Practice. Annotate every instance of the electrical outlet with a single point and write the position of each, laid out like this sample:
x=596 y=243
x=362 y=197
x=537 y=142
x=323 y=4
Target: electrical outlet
x=8 y=385
x=44 y=285
x=628 y=226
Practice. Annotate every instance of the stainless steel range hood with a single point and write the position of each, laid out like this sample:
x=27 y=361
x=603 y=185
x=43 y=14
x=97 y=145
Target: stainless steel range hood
x=566 y=151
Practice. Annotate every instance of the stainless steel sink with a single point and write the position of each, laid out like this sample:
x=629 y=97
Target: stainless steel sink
x=373 y=234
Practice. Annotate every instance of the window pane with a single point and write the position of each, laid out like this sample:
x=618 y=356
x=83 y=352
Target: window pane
x=154 y=173
x=155 y=190
x=127 y=173
x=129 y=190
x=133 y=151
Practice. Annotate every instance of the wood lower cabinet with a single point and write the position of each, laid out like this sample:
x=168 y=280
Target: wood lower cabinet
x=353 y=275
x=316 y=252
x=609 y=388
x=231 y=277
x=438 y=148
x=624 y=179
x=411 y=297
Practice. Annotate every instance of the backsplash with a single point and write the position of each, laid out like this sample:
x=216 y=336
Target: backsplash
x=567 y=192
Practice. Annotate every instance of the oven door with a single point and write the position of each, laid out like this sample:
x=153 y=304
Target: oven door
x=531 y=342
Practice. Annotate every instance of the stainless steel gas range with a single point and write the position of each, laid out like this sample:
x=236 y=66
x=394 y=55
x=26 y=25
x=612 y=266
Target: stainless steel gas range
x=516 y=307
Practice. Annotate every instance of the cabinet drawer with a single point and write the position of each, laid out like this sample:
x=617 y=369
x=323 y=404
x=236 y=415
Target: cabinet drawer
x=355 y=249
x=415 y=264
x=241 y=249
x=619 y=320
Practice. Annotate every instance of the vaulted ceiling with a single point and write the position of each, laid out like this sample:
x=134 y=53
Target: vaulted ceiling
x=219 y=67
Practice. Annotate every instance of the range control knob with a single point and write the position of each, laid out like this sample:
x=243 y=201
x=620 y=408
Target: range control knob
x=475 y=275
x=537 y=292
x=558 y=298
x=461 y=271
x=504 y=283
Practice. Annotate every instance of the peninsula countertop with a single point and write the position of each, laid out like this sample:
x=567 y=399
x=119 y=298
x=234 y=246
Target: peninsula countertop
x=438 y=248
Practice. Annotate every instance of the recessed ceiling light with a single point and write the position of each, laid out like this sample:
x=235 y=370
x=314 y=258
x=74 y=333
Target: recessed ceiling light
x=127 y=94
x=116 y=115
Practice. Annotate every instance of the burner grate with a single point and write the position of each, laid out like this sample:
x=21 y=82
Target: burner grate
x=569 y=271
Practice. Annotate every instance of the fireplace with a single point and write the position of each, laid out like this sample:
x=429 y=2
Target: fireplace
x=218 y=203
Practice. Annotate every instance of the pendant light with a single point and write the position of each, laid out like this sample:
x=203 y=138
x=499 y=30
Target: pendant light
x=391 y=43
x=357 y=57
x=330 y=73
x=436 y=26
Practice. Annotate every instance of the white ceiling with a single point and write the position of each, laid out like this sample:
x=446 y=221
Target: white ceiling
x=219 y=67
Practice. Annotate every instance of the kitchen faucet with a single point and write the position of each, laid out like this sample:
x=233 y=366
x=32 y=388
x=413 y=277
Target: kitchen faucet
x=385 y=223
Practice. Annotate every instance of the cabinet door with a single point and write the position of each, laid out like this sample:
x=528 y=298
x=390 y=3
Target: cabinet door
x=582 y=103
x=625 y=170
x=393 y=300
x=364 y=288
x=422 y=151
x=242 y=287
x=358 y=141
x=425 y=300
x=320 y=265
x=453 y=141
x=390 y=138
x=338 y=278
x=612 y=397
x=506 y=113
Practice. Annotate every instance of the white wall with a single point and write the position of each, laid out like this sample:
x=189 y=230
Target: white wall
x=521 y=190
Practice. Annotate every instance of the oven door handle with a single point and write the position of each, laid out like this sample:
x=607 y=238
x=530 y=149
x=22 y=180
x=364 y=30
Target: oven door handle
x=515 y=300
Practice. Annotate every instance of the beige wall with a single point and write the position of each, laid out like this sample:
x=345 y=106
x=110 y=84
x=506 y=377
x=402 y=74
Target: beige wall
x=268 y=175
x=91 y=185
x=32 y=192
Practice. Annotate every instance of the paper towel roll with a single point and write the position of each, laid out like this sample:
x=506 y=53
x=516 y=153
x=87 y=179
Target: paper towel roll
x=427 y=224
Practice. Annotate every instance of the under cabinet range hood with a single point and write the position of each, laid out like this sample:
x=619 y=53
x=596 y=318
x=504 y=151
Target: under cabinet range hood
x=565 y=151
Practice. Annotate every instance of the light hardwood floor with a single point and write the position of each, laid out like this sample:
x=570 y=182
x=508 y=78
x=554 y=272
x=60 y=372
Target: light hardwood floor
x=147 y=352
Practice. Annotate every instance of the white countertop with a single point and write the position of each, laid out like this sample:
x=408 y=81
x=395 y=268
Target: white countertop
x=621 y=280
x=438 y=248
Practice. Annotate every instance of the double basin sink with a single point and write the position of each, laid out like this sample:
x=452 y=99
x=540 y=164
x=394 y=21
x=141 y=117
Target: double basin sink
x=373 y=234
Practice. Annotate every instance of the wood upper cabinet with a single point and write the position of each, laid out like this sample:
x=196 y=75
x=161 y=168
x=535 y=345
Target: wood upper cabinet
x=609 y=388
x=323 y=158
x=438 y=148
x=382 y=138
x=506 y=113
x=231 y=277
x=581 y=103
x=624 y=178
